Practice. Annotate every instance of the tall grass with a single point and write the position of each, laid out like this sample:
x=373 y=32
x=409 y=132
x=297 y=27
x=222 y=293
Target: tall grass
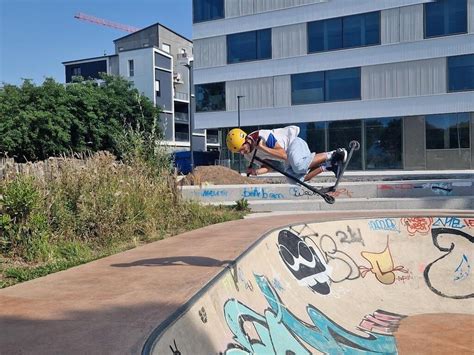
x=88 y=211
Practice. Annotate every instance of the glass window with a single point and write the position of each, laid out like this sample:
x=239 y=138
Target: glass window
x=340 y=133
x=314 y=133
x=247 y=46
x=383 y=138
x=447 y=131
x=461 y=73
x=307 y=88
x=210 y=97
x=131 y=68
x=342 y=84
x=445 y=17
x=325 y=35
x=166 y=47
x=361 y=30
x=207 y=10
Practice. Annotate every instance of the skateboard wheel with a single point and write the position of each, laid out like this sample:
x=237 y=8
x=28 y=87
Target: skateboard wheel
x=354 y=145
x=329 y=199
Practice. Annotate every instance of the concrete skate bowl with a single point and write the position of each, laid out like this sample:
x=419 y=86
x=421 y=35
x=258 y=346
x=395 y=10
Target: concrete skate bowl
x=387 y=285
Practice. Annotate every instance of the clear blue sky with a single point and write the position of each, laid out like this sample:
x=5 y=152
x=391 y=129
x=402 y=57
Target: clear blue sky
x=36 y=36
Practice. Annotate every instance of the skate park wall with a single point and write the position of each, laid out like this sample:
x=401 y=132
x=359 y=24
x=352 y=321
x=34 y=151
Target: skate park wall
x=386 y=285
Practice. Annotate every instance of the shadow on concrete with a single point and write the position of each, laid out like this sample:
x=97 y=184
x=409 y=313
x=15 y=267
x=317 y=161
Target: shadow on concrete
x=177 y=260
x=105 y=330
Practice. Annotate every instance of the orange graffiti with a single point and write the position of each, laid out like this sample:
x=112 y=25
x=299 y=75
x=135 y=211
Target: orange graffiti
x=469 y=222
x=419 y=225
x=382 y=266
x=340 y=192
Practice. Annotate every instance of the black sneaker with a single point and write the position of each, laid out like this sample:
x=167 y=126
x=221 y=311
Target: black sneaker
x=339 y=156
x=333 y=168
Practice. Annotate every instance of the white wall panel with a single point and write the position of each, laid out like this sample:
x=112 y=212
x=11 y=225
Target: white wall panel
x=424 y=77
x=289 y=41
x=210 y=52
x=258 y=94
x=282 y=91
x=411 y=23
x=390 y=26
x=234 y=8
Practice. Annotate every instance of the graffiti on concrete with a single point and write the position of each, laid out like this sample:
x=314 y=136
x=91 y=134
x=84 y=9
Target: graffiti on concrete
x=381 y=265
x=381 y=322
x=417 y=225
x=277 y=284
x=453 y=244
x=211 y=193
x=439 y=188
x=279 y=331
x=449 y=222
x=351 y=236
x=395 y=187
x=203 y=315
x=175 y=351
x=384 y=224
x=463 y=270
x=341 y=192
x=261 y=193
x=300 y=192
x=306 y=263
x=247 y=283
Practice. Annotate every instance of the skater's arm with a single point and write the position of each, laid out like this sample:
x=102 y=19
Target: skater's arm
x=277 y=151
x=259 y=171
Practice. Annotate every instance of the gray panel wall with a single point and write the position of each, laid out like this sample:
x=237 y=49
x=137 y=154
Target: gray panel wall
x=162 y=61
x=423 y=77
x=448 y=159
x=165 y=101
x=210 y=52
x=114 y=65
x=411 y=23
x=390 y=26
x=258 y=93
x=282 y=91
x=167 y=126
x=470 y=15
x=137 y=40
x=234 y=8
x=414 y=143
x=289 y=41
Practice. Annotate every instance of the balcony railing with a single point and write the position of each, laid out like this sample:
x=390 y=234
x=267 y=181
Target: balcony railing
x=181 y=96
x=181 y=136
x=181 y=117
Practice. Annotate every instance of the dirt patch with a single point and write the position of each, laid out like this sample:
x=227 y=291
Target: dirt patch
x=217 y=175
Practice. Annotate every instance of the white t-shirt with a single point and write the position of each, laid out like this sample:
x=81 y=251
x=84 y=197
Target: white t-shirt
x=283 y=136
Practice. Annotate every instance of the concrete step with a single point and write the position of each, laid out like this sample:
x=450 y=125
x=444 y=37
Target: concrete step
x=360 y=204
x=346 y=190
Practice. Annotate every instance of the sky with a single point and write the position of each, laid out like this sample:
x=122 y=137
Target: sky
x=36 y=36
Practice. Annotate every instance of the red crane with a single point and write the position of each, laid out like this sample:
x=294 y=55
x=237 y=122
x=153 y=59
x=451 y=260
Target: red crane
x=103 y=22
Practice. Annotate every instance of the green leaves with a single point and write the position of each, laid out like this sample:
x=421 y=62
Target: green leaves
x=37 y=122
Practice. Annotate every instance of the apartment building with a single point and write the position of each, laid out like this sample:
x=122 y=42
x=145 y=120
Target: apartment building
x=158 y=61
x=397 y=75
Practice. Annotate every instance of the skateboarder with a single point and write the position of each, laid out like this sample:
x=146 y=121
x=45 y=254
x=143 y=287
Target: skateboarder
x=284 y=145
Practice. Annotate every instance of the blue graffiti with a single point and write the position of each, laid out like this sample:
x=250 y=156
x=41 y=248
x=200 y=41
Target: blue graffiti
x=386 y=224
x=449 y=222
x=259 y=192
x=214 y=193
x=441 y=188
x=463 y=270
x=281 y=332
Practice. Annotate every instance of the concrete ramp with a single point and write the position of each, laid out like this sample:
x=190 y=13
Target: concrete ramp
x=385 y=285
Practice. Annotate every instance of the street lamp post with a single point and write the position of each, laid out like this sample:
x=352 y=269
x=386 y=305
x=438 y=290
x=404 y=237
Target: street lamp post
x=190 y=114
x=238 y=125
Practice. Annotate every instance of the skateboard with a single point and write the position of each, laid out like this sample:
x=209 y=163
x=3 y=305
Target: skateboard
x=353 y=146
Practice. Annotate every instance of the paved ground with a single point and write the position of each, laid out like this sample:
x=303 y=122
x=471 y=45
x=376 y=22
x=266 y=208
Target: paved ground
x=111 y=306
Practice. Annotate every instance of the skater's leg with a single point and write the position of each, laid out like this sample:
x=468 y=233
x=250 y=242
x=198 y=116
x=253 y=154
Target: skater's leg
x=314 y=172
x=318 y=159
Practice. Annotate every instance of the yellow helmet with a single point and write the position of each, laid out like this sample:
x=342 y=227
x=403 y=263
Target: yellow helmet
x=235 y=139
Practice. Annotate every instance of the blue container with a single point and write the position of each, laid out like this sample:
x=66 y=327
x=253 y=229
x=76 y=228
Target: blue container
x=182 y=160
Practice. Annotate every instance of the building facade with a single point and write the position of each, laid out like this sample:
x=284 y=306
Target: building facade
x=397 y=75
x=155 y=60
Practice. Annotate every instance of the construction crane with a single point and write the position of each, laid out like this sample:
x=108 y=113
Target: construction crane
x=103 y=22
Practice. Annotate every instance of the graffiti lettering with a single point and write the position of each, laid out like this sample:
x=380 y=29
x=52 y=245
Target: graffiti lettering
x=299 y=192
x=395 y=187
x=416 y=225
x=382 y=266
x=452 y=253
x=469 y=222
x=386 y=224
x=259 y=192
x=405 y=278
x=341 y=192
x=450 y=222
x=352 y=237
x=175 y=351
x=203 y=315
x=279 y=331
x=214 y=193
x=247 y=283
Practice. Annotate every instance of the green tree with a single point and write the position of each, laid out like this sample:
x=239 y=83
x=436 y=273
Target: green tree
x=37 y=122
